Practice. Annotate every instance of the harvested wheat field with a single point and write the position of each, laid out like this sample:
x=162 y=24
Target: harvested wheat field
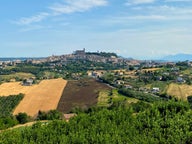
x=14 y=88
x=44 y=96
x=151 y=69
x=180 y=91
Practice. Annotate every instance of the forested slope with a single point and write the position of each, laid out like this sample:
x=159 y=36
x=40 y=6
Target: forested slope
x=162 y=122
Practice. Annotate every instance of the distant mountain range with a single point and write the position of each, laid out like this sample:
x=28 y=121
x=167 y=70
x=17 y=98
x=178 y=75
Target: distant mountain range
x=178 y=57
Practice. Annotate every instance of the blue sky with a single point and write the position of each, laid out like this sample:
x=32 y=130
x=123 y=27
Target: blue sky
x=141 y=29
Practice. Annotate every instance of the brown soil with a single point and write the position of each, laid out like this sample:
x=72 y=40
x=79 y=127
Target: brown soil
x=80 y=94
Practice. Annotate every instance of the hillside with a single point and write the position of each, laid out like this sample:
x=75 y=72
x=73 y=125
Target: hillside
x=163 y=122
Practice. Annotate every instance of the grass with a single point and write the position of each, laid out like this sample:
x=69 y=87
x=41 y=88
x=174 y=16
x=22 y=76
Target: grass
x=50 y=74
x=19 y=76
x=163 y=86
x=105 y=99
x=187 y=71
x=9 y=67
x=180 y=91
x=151 y=69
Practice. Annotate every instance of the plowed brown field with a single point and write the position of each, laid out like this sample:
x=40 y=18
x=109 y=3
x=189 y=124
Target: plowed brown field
x=44 y=96
x=81 y=94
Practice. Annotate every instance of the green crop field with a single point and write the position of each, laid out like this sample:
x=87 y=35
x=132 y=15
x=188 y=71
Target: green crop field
x=8 y=104
x=16 y=76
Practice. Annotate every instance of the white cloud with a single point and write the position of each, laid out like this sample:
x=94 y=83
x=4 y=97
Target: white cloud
x=164 y=12
x=130 y=21
x=33 y=19
x=147 y=17
x=178 y=0
x=72 y=6
x=136 y=2
x=33 y=27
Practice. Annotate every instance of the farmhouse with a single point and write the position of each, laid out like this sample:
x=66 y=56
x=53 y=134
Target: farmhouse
x=155 y=90
x=119 y=82
x=180 y=80
x=27 y=82
x=95 y=74
x=128 y=86
x=68 y=116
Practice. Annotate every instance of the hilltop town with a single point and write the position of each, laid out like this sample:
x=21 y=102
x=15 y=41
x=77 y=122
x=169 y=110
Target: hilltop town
x=82 y=55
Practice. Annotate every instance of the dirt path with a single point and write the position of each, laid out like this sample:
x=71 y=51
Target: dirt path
x=24 y=125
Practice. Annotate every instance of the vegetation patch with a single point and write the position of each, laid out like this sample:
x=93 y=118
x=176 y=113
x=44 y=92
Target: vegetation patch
x=163 y=122
x=147 y=97
x=163 y=86
x=108 y=98
x=16 y=77
x=8 y=104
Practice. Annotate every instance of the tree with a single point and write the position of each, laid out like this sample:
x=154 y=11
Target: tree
x=131 y=68
x=51 y=115
x=22 y=118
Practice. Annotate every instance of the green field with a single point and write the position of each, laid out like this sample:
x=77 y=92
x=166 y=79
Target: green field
x=163 y=86
x=16 y=77
x=8 y=104
x=106 y=98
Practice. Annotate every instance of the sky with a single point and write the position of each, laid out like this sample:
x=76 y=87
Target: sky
x=141 y=29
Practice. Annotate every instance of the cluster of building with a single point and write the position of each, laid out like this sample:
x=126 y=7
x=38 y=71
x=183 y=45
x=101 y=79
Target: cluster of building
x=93 y=57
